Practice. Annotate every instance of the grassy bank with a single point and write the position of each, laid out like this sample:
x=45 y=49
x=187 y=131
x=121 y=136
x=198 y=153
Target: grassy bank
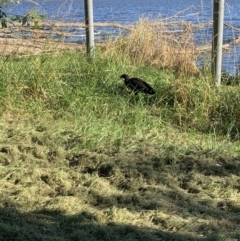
x=81 y=158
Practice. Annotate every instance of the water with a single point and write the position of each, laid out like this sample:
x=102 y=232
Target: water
x=130 y=11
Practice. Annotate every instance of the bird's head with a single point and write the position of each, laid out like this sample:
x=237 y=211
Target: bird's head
x=124 y=76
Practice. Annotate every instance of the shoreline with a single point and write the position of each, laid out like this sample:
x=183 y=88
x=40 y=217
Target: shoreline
x=50 y=36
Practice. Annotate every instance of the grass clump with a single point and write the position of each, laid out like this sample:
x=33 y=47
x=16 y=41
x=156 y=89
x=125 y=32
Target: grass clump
x=153 y=43
x=81 y=158
x=200 y=105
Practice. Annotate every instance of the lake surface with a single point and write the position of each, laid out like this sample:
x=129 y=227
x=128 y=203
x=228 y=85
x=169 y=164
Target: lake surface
x=130 y=11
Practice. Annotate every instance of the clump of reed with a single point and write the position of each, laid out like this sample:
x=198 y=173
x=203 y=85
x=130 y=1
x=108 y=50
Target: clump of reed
x=198 y=104
x=158 y=44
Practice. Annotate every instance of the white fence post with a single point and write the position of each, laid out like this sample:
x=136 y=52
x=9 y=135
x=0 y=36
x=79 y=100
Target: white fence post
x=89 y=27
x=217 y=39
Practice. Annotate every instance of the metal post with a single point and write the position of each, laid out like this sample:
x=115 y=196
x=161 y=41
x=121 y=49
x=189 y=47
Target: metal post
x=218 y=18
x=89 y=27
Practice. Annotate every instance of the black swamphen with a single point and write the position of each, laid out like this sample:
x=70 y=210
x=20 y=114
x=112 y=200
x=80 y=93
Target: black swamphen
x=137 y=85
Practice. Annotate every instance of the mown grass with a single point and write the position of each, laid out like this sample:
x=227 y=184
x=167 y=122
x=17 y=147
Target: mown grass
x=84 y=159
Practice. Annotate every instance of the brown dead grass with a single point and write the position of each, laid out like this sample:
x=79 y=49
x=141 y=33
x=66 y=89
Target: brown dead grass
x=158 y=46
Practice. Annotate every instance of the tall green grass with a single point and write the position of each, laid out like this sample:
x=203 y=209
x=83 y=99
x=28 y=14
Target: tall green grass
x=86 y=96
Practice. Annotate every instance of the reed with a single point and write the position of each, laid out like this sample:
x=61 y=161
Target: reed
x=154 y=44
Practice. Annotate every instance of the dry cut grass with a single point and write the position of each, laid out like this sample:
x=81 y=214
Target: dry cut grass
x=145 y=191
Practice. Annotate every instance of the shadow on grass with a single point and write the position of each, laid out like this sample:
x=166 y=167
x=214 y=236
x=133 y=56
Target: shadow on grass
x=168 y=196
x=54 y=225
x=194 y=186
